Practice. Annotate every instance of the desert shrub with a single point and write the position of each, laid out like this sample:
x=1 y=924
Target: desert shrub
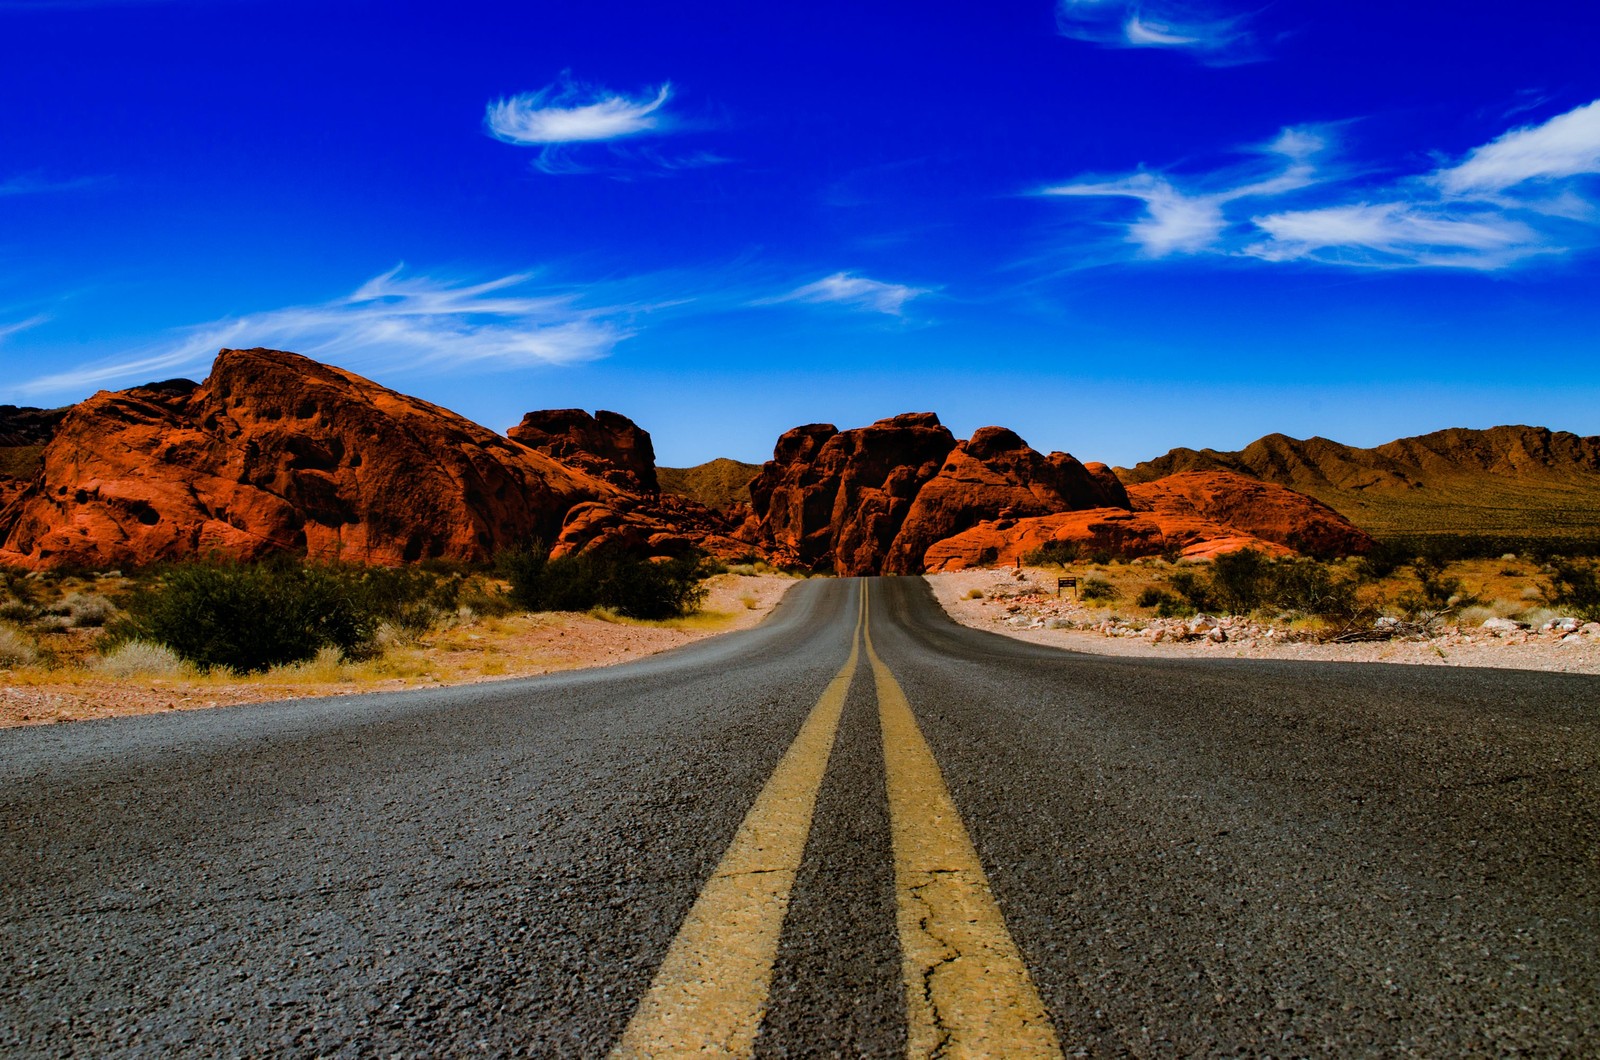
x=1166 y=604
x=1311 y=588
x=1195 y=588
x=1574 y=586
x=1097 y=589
x=1240 y=580
x=629 y=585
x=974 y=594
x=85 y=609
x=412 y=599
x=485 y=598
x=139 y=658
x=1383 y=559
x=15 y=609
x=251 y=617
x=15 y=649
x=1436 y=592
x=1057 y=553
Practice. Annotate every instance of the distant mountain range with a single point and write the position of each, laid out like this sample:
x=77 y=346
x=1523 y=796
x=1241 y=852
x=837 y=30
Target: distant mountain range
x=1513 y=481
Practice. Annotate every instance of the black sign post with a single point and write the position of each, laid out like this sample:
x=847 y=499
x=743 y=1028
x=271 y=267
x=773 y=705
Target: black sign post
x=1067 y=583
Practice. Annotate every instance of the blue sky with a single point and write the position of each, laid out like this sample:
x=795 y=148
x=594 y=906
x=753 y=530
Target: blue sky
x=1115 y=227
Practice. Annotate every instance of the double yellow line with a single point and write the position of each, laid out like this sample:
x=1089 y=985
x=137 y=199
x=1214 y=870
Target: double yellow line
x=967 y=989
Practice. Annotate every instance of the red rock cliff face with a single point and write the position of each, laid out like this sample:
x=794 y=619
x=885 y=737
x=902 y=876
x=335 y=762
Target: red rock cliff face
x=995 y=474
x=831 y=499
x=276 y=452
x=1261 y=509
x=607 y=445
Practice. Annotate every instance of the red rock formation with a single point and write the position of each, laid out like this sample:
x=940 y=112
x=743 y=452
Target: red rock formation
x=1259 y=509
x=278 y=452
x=607 y=445
x=1116 y=531
x=831 y=499
x=661 y=526
x=995 y=473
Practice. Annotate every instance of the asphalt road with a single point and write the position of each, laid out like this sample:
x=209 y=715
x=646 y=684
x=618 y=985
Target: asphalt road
x=1190 y=857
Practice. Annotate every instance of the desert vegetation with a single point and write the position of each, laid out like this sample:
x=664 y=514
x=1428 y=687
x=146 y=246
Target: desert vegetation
x=289 y=621
x=1395 y=590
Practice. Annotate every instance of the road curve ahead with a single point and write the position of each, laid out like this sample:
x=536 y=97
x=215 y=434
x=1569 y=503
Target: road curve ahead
x=856 y=830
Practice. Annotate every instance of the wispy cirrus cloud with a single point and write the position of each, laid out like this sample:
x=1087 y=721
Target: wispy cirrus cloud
x=1179 y=221
x=35 y=184
x=1527 y=193
x=392 y=323
x=1211 y=38
x=855 y=292
x=568 y=113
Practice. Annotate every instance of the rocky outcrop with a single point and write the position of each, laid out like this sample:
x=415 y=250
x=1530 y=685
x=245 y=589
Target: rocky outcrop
x=658 y=526
x=607 y=445
x=995 y=473
x=21 y=427
x=834 y=500
x=276 y=452
x=1260 y=509
x=1112 y=531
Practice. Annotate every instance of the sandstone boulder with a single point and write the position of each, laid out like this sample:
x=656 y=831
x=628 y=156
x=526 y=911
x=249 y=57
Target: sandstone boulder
x=607 y=445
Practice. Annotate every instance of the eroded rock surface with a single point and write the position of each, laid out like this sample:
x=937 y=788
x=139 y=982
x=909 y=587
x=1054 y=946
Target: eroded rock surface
x=276 y=452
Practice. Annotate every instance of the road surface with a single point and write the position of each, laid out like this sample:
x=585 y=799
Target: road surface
x=854 y=830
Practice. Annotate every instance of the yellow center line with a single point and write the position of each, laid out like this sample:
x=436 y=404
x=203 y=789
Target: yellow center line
x=710 y=993
x=968 y=993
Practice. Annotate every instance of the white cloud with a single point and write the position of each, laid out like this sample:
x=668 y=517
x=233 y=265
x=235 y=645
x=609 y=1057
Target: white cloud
x=1155 y=24
x=1395 y=233
x=843 y=288
x=389 y=323
x=8 y=330
x=1179 y=222
x=1173 y=222
x=1567 y=145
x=567 y=112
x=1522 y=195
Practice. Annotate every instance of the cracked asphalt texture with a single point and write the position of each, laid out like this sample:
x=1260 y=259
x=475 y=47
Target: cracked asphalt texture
x=1194 y=857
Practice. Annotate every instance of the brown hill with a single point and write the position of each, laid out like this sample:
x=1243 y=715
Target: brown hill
x=1512 y=481
x=721 y=483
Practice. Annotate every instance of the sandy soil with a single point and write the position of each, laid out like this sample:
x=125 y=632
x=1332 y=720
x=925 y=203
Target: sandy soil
x=482 y=650
x=1022 y=605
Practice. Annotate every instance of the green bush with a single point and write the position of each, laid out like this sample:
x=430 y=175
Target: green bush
x=1309 y=587
x=1574 y=587
x=252 y=617
x=1056 y=553
x=1240 y=580
x=1097 y=589
x=1436 y=592
x=628 y=584
x=1195 y=589
x=1166 y=604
